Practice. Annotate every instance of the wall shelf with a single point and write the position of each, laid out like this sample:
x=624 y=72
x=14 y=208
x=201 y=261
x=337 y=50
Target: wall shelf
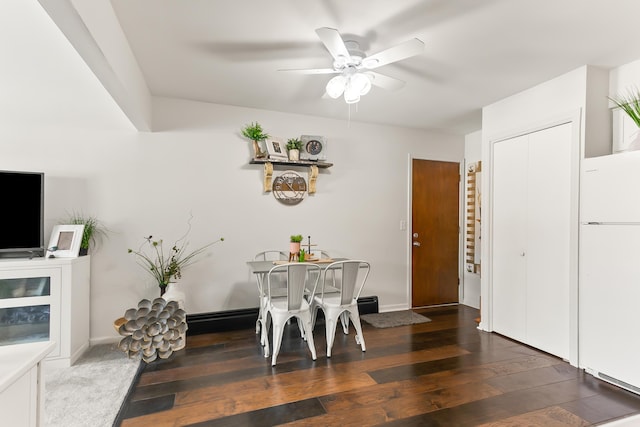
x=270 y=163
x=319 y=164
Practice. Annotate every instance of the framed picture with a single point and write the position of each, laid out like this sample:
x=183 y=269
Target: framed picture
x=65 y=241
x=277 y=149
x=314 y=147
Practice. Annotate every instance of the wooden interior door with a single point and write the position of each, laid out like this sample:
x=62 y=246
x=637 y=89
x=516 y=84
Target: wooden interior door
x=435 y=229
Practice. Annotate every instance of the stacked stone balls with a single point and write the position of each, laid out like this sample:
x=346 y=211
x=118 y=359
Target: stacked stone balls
x=153 y=329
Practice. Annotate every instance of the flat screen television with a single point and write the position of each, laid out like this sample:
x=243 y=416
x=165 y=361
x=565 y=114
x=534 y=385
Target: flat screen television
x=21 y=214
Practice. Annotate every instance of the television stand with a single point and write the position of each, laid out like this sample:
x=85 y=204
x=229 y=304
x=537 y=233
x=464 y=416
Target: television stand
x=45 y=299
x=23 y=254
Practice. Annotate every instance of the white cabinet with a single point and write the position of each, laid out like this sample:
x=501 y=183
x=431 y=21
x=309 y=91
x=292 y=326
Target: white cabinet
x=46 y=299
x=533 y=206
x=22 y=383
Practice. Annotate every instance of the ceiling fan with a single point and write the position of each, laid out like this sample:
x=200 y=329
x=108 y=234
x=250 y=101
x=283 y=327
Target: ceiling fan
x=354 y=68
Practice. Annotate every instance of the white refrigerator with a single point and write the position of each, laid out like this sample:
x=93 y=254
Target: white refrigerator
x=609 y=260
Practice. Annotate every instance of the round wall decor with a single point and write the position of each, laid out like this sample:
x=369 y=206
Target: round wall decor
x=289 y=188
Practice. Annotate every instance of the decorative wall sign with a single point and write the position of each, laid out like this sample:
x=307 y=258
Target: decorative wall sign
x=473 y=207
x=289 y=188
x=313 y=147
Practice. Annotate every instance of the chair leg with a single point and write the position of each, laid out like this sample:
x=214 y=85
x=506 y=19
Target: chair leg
x=305 y=320
x=266 y=323
x=331 y=321
x=301 y=329
x=355 y=319
x=314 y=316
x=344 y=320
x=278 y=328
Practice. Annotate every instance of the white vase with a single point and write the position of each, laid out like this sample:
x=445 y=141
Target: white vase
x=294 y=155
x=174 y=293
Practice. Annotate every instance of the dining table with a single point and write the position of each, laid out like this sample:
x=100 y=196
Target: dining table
x=261 y=270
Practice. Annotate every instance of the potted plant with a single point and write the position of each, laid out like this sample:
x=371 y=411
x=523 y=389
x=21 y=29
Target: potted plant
x=93 y=232
x=294 y=245
x=294 y=145
x=630 y=104
x=255 y=133
x=166 y=265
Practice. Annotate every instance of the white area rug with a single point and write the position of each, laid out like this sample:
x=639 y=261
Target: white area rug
x=90 y=392
x=394 y=318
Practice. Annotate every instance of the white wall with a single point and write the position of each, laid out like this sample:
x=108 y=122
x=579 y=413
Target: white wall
x=624 y=78
x=578 y=96
x=471 y=281
x=57 y=118
x=142 y=184
x=566 y=95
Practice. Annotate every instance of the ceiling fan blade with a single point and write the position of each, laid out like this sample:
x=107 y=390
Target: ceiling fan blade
x=385 y=82
x=333 y=42
x=404 y=50
x=312 y=71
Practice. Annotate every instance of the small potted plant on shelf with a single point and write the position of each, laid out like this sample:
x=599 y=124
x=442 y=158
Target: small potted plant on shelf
x=93 y=231
x=630 y=104
x=255 y=133
x=294 y=145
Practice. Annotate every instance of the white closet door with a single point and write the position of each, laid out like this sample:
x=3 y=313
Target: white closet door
x=548 y=239
x=509 y=237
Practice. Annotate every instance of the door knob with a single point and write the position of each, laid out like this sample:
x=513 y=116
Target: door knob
x=416 y=243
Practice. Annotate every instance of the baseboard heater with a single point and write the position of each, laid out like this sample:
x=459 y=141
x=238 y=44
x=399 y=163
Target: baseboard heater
x=245 y=318
x=613 y=381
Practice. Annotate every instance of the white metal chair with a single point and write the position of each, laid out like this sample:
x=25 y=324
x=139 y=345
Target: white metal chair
x=278 y=310
x=269 y=255
x=343 y=305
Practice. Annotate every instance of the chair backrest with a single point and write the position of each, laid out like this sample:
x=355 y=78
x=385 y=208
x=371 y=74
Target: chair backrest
x=271 y=255
x=302 y=278
x=319 y=253
x=351 y=277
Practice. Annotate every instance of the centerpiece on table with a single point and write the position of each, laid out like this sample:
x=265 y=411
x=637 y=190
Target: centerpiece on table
x=294 y=247
x=166 y=265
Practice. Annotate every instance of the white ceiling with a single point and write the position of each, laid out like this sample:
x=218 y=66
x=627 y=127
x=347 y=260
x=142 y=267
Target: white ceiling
x=476 y=51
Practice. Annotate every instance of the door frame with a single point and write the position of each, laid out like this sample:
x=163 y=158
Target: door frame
x=408 y=234
x=575 y=119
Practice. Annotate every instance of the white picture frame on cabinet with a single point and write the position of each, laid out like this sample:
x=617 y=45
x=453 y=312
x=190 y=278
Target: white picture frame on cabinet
x=65 y=241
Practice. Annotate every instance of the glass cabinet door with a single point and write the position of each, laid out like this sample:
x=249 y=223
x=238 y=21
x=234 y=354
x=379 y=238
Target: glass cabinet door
x=29 y=306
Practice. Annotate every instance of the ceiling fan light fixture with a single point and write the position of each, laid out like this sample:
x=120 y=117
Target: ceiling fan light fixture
x=351 y=100
x=340 y=62
x=336 y=86
x=361 y=83
x=370 y=62
x=351 y=93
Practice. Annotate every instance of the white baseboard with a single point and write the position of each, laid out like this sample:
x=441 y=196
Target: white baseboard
x=104 y=340
x=75 y=356
x=393 y=307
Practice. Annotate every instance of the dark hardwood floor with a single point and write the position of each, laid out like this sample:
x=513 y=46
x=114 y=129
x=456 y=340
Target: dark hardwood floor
x=442 y=373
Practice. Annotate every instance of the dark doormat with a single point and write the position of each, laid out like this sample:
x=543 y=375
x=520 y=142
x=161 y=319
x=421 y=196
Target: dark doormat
x=394 y=318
